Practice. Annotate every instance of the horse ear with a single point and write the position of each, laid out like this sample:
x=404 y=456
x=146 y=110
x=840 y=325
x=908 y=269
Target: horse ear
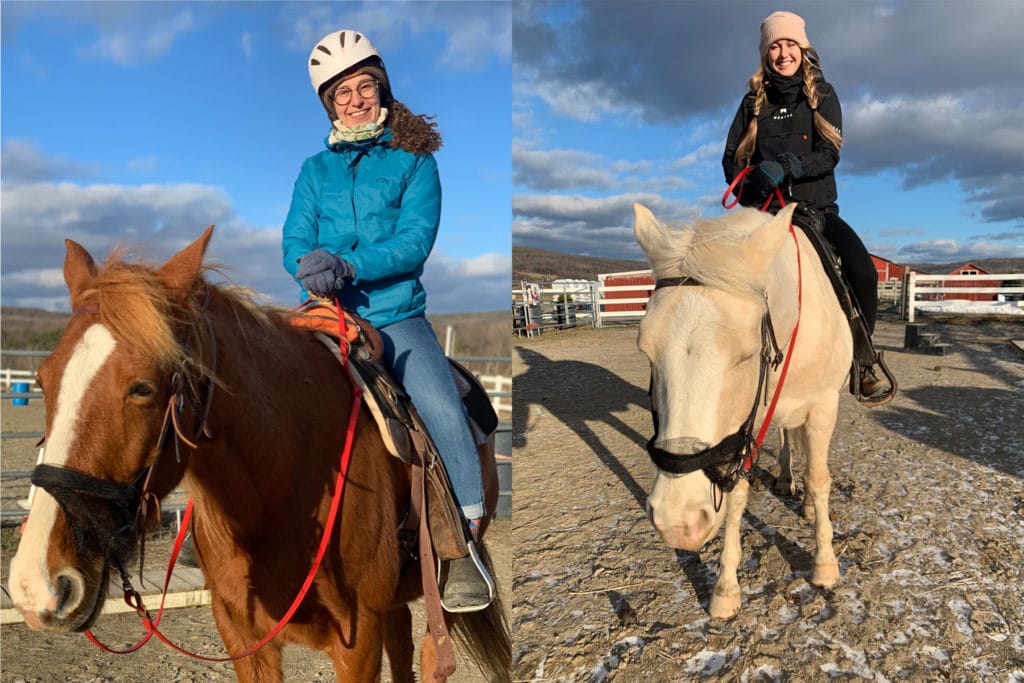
x=650 y=233
x=181 y=270
x=765 y=242
x=79 y=271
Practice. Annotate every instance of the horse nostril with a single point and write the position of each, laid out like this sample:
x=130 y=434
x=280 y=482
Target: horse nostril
x=65 y=589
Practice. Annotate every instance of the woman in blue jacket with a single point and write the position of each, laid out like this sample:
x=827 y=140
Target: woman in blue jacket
x=363 y=218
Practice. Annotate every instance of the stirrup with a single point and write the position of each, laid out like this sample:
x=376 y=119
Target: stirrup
x=856 y=378
x=473 y=560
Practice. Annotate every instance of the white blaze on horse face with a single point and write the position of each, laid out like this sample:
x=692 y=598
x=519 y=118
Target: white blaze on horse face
x=31 y=587
x=705 y=371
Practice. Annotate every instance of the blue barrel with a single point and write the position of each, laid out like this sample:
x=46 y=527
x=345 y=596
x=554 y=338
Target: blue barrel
x=19 y=388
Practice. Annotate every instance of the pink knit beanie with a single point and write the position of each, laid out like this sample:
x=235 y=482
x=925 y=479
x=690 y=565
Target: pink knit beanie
x=779 y=25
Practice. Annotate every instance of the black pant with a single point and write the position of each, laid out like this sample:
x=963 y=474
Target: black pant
x=857 y=266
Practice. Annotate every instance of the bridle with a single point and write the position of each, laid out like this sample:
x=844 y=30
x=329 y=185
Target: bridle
x=113 y=516
x=732 y=458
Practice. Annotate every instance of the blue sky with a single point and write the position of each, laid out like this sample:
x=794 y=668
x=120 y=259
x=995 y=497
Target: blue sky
x=619 y=102
x=142 y=123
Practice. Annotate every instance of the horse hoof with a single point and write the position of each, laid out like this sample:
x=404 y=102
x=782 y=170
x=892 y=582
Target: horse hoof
x=826 y=575
x=783 y=488
x=724 y=606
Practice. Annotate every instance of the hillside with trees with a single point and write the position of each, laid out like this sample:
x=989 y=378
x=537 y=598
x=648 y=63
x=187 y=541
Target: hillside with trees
x=540 y=265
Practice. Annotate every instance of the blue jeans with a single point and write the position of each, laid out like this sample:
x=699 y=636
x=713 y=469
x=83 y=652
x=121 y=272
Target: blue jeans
x=415 y=357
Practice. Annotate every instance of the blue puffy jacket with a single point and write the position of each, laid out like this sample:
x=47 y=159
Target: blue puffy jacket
x=379 y=209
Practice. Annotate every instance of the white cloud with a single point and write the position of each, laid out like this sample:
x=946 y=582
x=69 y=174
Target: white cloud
x=473 y=32
x=162 y=219
x=140 y=42
x=21 y=161
x=246 y=44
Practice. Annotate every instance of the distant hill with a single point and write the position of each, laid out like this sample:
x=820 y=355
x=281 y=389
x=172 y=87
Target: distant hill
x=541 y=265
x=477 y=334
x=989 y=265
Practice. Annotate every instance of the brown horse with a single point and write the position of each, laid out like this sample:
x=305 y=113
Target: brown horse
x=266 y=406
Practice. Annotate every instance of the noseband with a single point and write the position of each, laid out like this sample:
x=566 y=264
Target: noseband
x=730 y=459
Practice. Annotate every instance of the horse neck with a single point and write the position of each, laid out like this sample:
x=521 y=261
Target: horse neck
x=784 y=284
x=276 y=413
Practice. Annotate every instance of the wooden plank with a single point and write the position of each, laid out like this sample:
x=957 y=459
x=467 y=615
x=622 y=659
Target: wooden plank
x=187 y=589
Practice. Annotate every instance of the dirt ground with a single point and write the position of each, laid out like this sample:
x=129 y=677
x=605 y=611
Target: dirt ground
x=928 y=500
x=28 y=656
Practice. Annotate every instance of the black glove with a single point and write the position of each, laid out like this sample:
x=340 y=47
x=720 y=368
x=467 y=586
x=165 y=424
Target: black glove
x=770 y=174
x=322 y=273
x=791 y=165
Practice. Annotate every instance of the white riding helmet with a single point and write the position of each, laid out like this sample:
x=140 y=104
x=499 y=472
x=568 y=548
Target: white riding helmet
x=336 y=53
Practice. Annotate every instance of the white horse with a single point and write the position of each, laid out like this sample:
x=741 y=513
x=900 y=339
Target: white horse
x=729 y=296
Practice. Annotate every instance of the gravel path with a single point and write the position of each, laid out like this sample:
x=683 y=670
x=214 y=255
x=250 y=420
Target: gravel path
x=928 y=499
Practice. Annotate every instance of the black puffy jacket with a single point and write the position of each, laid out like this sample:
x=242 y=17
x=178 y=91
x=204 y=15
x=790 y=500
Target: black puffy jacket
x=786 y=124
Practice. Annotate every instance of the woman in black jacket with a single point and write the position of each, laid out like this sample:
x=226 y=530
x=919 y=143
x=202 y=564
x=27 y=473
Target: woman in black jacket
x=789 y=126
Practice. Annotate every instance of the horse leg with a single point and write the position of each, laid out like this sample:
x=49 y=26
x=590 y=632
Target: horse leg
x=816 y=437
x=784 y=485
x=357 y=652
x=398 y=644
x=725 y=600
x=264 y=665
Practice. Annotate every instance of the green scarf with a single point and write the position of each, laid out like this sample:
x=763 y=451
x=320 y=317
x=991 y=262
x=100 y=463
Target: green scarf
x=366 y=131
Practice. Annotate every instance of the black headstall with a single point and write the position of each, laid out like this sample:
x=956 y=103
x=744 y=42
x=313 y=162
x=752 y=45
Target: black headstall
x=731 y=459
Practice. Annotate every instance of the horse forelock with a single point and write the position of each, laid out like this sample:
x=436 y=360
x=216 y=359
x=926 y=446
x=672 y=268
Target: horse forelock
x=708 y=251
x=132 y=302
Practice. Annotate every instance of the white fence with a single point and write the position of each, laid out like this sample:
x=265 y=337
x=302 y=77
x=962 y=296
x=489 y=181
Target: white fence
x=558 y=306
x=536 y=308
x=925 y=289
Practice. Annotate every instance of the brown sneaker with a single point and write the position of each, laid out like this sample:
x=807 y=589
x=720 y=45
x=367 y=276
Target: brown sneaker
x=870 y=385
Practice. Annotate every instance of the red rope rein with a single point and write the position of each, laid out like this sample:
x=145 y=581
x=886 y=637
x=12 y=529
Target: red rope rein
x=134 y=600
x=777 y=194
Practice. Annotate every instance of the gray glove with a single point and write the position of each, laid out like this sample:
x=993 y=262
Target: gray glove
x=770 y=174
x=322 y=273
x=791 y=165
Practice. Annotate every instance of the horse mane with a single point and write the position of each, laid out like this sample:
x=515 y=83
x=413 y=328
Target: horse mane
x=710 y=250
x=171 y=330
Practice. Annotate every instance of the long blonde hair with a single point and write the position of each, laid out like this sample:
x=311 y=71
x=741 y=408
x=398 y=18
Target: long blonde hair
x=811 y=72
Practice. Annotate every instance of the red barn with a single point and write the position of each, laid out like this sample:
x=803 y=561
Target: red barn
x=970 y=269
x=636 y=277
x=887 y=270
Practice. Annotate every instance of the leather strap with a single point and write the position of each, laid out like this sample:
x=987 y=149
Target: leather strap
x=445 y=666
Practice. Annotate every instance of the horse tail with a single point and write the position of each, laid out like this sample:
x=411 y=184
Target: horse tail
x=484 y=635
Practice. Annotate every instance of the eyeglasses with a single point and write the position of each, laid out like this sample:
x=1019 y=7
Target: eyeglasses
x=367 y=90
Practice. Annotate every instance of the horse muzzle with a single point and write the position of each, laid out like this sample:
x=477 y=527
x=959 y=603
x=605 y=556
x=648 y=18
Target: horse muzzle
x=682 y=512
x=71 y=604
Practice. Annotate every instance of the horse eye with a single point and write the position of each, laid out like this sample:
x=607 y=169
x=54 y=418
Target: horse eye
x=142 y=389
x=746 y=359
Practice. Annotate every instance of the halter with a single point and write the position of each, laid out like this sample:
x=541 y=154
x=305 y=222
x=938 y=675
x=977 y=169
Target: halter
x=732 y=458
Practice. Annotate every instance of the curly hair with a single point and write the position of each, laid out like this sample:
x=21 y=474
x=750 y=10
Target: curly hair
x=811 y=73
x=415 y=133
